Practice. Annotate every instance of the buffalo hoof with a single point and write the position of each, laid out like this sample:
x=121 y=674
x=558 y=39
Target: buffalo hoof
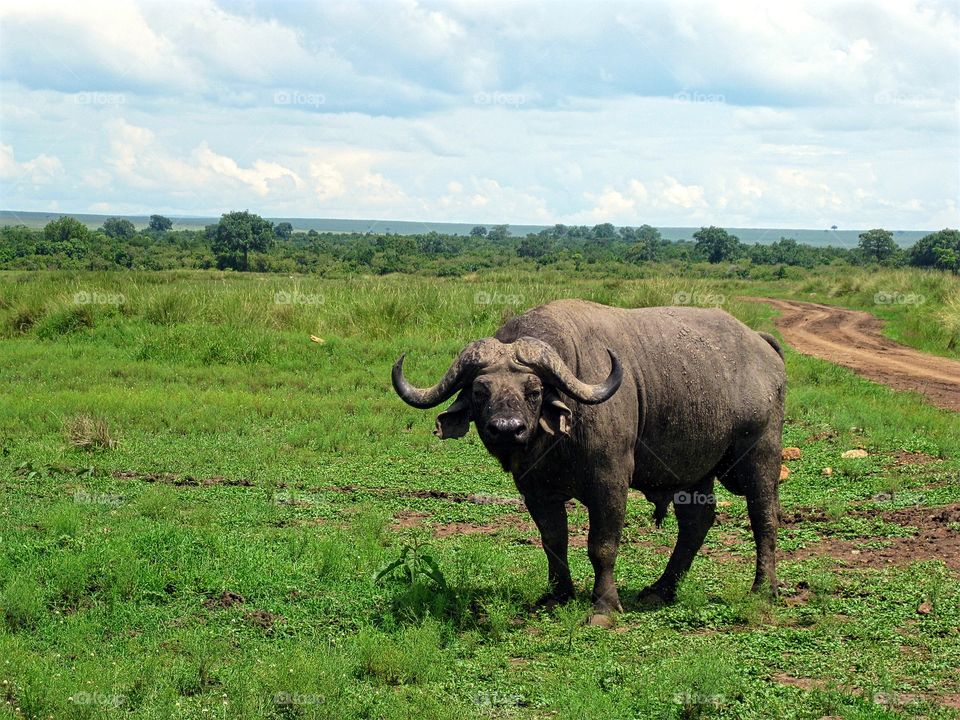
x=551 y=600
x=655 y=597
x=601 y=620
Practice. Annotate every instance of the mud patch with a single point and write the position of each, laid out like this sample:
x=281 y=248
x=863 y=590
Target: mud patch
x=262 y=619
x=432 y=495
x=902 y=457
x=464 y=528
x=883 y=699
x=227 y=599
x=936 y=539
x=182 y=480
x=406 y=519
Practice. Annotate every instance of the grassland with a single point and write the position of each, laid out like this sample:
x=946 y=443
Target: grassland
x=197 y=498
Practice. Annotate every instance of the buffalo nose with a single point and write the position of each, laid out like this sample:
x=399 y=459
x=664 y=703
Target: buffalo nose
x=506 y=427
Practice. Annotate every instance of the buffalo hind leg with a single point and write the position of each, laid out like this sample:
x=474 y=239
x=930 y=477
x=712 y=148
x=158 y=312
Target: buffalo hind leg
x=757 y=475
x=695 y=509
x=550 y=517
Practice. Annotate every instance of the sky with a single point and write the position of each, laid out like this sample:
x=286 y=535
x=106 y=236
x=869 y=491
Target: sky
x=801 y=114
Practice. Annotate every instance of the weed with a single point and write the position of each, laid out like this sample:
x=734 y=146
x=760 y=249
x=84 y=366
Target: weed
x=88 y=432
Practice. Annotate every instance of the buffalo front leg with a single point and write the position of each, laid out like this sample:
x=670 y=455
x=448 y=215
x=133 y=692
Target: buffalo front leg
x=606 y=524
x=695 y=509
x=550 y=517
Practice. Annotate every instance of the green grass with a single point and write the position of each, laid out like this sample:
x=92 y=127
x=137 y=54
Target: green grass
x=192 y=444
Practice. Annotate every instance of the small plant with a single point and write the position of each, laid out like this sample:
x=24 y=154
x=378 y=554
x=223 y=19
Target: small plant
x=410 y=656
x=835 y=508
x=822 y=587
x=415 y=562
x=571 y=617
x=87 y=432
x=22 y=604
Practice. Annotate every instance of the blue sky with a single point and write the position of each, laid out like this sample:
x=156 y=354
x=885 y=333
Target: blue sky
x=799 y=114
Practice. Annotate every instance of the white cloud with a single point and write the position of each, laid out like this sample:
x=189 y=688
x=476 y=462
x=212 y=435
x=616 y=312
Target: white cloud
x=40 y=170
x=138 y=158
x=672 y=113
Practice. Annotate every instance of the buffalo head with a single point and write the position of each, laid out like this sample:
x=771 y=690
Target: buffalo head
x=509 y=390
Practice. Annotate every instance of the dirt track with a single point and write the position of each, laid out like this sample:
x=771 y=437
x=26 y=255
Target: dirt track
x=852 y=338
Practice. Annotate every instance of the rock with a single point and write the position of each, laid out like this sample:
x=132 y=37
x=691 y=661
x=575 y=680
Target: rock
x=791 y=453
x=604 y=621
x=784 y=472
x=925 y=608
x=828 y=471
x=724 y=503
x=857 y=453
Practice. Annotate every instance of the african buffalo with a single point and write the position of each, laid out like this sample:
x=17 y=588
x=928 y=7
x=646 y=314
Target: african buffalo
x=690 y=395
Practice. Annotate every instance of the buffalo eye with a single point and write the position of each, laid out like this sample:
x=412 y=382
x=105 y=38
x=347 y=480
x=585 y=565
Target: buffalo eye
x=533 y=394
x=480 y=392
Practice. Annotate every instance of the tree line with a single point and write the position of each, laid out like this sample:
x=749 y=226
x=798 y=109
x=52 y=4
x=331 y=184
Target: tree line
x=244 y=241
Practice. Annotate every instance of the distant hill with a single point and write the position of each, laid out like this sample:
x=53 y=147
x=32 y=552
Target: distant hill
x=837 y=238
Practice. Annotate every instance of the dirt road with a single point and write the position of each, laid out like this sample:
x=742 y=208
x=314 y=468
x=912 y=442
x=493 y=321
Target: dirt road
x=852 y=338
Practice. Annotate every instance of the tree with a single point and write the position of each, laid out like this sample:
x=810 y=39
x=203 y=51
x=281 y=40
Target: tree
x=478 y=231
x=649 y=234
x=499 y=232
x=535 y=246
x=717 y=244
x=65 y=229
x=877 y=246
x=119 y=228
x=236 y=235
x=159 y=223
x=938 y=250
x=604 y=232
x=283 y=230
x=65 y=236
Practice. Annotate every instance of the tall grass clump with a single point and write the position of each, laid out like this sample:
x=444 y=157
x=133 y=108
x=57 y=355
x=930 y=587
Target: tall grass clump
x=88 y=432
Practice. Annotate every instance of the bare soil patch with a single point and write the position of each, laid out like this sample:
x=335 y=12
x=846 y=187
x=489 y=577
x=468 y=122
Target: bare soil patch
x=432 y=495
x=853 y=339
x=227 y=599
x=262 y=619
x=902 y=457
x=181 y=480
x=935 y=539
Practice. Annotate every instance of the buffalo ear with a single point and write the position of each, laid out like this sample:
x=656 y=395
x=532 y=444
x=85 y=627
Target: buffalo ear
x=555 y=417
x=454 y=422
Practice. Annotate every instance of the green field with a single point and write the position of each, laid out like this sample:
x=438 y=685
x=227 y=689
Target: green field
x=196 y=499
